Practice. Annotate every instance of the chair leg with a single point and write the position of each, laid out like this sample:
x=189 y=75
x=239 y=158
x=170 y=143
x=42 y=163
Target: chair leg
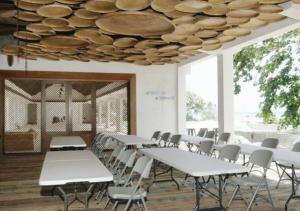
x=270 y=197
x=139 y=206
x=280 y=178
x=115 y=206
x=277 y=169
x=106 y=203
x=233 y=195
x=144 y=204
x=127 y=205
x=253 y=198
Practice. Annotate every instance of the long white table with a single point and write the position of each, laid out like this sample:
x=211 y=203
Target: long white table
x=195 y=165
x=132 y=140
x=64 y=167
x=59 y=142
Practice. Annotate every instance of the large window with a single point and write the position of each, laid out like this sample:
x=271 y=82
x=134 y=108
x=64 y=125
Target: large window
x=267 y=99
x=201 y=95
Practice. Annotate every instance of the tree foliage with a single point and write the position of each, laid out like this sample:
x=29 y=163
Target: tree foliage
x=274 y=67
x=198 y=109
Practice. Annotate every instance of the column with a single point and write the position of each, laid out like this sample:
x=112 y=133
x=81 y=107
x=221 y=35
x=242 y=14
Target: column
x=225 y=92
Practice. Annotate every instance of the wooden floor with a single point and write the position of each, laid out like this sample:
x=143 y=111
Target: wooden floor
x=19 y=191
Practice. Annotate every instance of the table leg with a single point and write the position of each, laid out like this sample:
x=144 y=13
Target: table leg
x=66 y=203
x=170 y=169
x=293 y=188
x=88 y=196
x=197 y=207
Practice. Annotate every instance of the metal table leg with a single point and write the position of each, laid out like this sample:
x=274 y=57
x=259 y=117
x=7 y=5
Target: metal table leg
x=170 y=169
x=88 y=195
x=219 y=197
x=66 y=203
x=197 y=207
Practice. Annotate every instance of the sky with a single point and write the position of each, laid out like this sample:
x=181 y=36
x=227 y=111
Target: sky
x=203 y=81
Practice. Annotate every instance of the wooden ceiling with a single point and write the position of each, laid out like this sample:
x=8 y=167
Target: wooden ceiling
x=33 y=87
x=142 y=32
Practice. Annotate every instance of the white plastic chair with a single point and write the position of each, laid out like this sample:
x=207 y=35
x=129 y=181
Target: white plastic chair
x=164 y=139
x=202 y=132
x=286 y=166
x=256 y=178
x=131 y=193
x=205 y=147
x=126 y=161
x=174 y=141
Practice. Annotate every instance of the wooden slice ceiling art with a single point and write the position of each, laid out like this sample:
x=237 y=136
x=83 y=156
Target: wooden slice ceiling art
x=142 y=32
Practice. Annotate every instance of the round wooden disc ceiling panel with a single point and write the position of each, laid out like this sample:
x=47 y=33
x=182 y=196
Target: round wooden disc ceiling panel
x=136 y=31
x=131 y=5
x=54 y=11
x=135 y=24
x=63 y=42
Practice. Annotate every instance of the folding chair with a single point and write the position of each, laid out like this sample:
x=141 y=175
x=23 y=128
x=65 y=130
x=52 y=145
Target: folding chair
x=164 y=139
x=127 y=158
x=270 y=143
x=174 y=141
x=285 y=166
x=202 y=132
x=131 y=193
x=261 y=159
x=156 y=135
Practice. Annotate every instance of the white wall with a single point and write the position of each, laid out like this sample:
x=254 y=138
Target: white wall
x=152 y=82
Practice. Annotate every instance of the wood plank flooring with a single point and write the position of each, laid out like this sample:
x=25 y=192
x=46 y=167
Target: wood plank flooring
x=19 y=191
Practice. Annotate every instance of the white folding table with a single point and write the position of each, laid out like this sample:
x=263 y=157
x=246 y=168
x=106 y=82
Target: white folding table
x=195 y=165
x=59 y=142
x=193 y=140
x=132 y=140
x=81 y=166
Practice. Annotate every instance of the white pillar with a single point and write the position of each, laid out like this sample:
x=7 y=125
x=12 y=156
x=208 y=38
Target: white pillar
x=181 y=97
x=225 y=92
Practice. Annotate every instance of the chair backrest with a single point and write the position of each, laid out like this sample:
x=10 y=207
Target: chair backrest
x=114 y=154
x=270 y=143
x=165 y=137
x=175 y=140
x=96 y=139
x=261 y=158
x=127 y=160
x=143 y=166
x=296 y=147
x=100 y=144
x=230 y=152
x=223 y=138
x=202 y=132
x=205 y=147
x=210 y=134
x=155 y=135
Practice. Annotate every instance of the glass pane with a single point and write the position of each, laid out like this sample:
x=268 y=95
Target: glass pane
x=55 y=107
x=81 y=107
x=22 y=116
x=112 y=108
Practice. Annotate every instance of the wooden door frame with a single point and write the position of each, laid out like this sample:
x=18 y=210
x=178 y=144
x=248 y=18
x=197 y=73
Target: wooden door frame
x=68 y=76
